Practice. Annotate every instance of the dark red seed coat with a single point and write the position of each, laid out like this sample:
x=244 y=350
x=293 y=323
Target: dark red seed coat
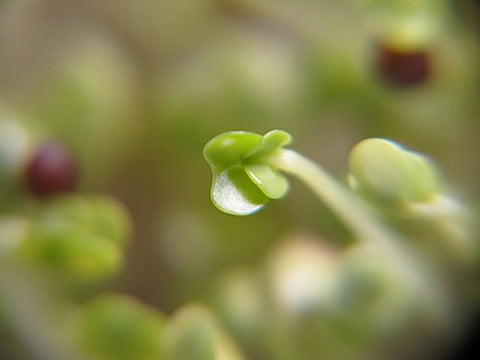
x=51 y=170
x=403 y=67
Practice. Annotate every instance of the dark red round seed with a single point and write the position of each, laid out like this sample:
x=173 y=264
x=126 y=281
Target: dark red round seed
x=51 y=170
x=403 y=67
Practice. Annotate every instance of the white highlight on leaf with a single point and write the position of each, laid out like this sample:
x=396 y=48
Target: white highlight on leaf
x=228 y=199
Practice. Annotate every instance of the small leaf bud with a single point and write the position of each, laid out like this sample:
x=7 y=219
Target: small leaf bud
x=385 y=172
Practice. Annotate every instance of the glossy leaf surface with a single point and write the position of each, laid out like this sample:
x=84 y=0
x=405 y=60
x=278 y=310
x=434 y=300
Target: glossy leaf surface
x=243 y=181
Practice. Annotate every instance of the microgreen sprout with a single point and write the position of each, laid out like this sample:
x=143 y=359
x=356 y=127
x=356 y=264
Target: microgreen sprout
x=243 y=179
x=248 y=170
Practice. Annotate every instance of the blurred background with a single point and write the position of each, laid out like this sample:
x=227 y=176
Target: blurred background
x=136 y=88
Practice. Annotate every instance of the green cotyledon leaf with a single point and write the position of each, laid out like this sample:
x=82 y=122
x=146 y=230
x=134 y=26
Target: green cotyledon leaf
x=234 y=193
x=270 y=181
x=270 y=142
x=243 y=181
x=228 y=149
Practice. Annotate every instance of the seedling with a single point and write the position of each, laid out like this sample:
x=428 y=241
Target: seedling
x=249 y=170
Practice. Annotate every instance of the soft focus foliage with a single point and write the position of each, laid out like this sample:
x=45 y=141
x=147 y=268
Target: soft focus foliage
x=117 y=327
x=383 y=170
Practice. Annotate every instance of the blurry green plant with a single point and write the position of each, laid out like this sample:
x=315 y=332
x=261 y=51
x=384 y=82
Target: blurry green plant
x=248 y=172
x=80 y=237
x=193 y=333
x=55 y=250
x=118 y=327
x=392 y=176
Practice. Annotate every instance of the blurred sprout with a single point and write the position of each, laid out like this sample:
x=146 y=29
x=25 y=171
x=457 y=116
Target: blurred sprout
x=408 y=186
x=241 y=303
x=392 y=175
x=405 y=24
x=112 y=219
x=118 y=327
x=303 y=276
x=102 y=215
x=193 y=334
x=371 y=292
x=189 y=336
x=74 y=253
x=81 y=237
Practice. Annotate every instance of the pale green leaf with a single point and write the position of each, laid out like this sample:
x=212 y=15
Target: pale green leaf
x=272 y=183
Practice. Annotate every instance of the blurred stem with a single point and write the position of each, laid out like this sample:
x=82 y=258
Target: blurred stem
x=370 y=231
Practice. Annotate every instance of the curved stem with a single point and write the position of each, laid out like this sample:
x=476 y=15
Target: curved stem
x=369 y=230
x=347 y=207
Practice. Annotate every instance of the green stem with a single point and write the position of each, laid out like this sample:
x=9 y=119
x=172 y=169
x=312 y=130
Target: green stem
x=370 y=230
x=347 y=207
